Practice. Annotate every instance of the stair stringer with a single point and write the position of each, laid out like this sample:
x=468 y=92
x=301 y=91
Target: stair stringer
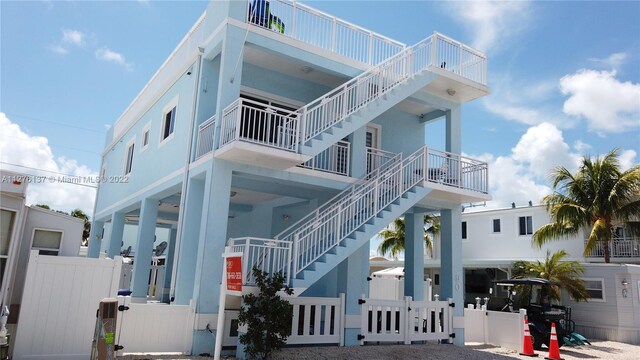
x=357 y=239
x=364 y=115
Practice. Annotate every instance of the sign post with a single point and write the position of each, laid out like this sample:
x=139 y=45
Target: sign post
x=231 y=285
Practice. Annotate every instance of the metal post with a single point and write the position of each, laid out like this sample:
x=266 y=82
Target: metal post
x=221 y=305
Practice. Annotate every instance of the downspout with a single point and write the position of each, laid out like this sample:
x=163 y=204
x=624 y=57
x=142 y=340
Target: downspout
x=185 y=176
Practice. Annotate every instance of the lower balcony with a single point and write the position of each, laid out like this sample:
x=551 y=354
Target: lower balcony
x=255 y=133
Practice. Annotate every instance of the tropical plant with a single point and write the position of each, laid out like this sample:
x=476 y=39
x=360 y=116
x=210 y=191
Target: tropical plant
x=598 y=198
x=267 y=316
x=77 y=213
x=394 y=235
x=554 y=269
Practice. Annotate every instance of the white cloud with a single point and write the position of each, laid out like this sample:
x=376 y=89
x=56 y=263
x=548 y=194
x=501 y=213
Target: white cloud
x=526 y=103
x=109 y=55
x=613 y=61
x=607 y=104
x=73 y=37
x=627 y=159
x=17 y=147
x=58 y=49
x=491 y=22
x=581 y=146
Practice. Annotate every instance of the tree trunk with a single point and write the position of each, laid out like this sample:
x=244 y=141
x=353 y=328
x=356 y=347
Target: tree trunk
x=607 y=251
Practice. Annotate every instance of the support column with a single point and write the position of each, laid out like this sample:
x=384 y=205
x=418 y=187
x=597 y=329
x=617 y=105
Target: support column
x=359 y=153
x=208 y=274
x=451 y=270
x=115 y=238
x=168 y=265
x=352 y=281
x=414 y=256
x=95 y=239
x=144 y=249
x=189 y=239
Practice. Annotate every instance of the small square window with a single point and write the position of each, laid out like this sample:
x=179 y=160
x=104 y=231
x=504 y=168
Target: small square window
x=168 y=123
x=464 y=229
x=129 y=160
x=525 y=225
x=145 y=138
x=496 y=225
x=595 y=289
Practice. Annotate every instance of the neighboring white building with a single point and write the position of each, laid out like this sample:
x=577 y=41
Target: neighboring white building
x=25 y=228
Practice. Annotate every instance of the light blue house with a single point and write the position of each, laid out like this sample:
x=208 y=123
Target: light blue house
x=294 y=137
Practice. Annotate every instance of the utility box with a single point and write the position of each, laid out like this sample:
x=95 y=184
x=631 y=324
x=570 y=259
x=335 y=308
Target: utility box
x=103 y=347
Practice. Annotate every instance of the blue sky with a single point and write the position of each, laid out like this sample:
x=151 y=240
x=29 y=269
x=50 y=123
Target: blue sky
x=565 y=80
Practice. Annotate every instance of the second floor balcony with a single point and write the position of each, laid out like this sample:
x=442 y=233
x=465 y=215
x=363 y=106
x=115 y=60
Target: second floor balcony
x=620 y=249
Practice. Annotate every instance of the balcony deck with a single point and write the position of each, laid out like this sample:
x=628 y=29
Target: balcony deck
x=621 y=249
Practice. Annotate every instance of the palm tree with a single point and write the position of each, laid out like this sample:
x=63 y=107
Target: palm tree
x=598 y=198
x=77 y=213
x=554 y=269
x=393 y=236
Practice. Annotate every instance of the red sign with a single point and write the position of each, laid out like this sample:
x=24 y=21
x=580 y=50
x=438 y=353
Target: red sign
x=234 y=274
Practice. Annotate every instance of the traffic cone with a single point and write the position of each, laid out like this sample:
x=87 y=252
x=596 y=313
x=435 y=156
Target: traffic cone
x=527 y=344
x=554 y=349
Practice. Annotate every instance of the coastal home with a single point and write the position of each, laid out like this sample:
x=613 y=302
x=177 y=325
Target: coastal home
x=493 y=239
x=24 y=229
x=294 y=137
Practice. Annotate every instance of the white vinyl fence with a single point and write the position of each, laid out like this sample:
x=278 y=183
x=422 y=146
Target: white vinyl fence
x=58 y=310
x=405 y=320
x=504 y=329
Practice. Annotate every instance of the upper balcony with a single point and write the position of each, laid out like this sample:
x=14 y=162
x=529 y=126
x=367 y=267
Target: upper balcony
x=621 y=249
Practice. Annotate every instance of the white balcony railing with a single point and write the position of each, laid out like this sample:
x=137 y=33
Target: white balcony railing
x=334 y=160
x=619 y=247
x=268 y=255
x=259 y=123
x=377 y=158
x=205 y=137
x=459 y=58
x=457 y=170
x=312 y=26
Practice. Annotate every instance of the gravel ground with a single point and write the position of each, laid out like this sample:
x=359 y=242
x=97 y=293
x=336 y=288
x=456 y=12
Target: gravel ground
x=599 y=350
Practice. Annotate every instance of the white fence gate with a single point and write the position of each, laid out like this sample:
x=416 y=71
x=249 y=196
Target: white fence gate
x=405 y=320
x=504 y=329
x=155 y=327
x=58 y=310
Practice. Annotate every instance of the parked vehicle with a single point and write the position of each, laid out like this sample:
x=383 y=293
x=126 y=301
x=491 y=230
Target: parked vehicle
x=532 y=294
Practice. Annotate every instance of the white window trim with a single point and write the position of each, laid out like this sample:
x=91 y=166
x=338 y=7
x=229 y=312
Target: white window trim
x=126 y=156
x=33 y=235
x=532 y=225
x=378 y=133
x=604 y=295
x=501 y=225
x=145 y=128
x=245 y=90
x=170 y=105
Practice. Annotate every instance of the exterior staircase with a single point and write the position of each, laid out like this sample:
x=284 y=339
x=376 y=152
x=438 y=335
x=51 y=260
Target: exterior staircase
x=310 y=248
x=347 y=108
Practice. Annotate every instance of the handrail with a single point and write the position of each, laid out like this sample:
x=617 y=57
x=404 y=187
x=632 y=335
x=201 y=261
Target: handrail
x=333 y=160
x=324 y=228
x=305 y=23
x=205 y=137
x=268 y=255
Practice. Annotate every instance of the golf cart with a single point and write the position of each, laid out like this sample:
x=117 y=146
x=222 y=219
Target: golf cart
x=532 y=294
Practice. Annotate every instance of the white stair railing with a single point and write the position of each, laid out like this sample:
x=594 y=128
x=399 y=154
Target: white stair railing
x=324 y=228
x=205 y=137
x=268 y=255
x=333 y=160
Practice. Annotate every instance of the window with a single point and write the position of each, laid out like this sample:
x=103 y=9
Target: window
x=47 y=241
x=168 y=123
x=464 y=229
x=129 y=161
x=145 y=137
x=496 y=225
x=7 y=219
x=526 y=225
x=595 y=289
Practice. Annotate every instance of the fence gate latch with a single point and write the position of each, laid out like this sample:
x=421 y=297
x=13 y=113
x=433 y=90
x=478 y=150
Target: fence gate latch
x=360 y=337
x=452 y=335
x=123 y=308
x=361 y=301
x=452 y=305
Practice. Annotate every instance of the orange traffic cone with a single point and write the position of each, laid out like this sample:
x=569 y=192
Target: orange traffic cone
x=527 y=344
x=554 y=349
